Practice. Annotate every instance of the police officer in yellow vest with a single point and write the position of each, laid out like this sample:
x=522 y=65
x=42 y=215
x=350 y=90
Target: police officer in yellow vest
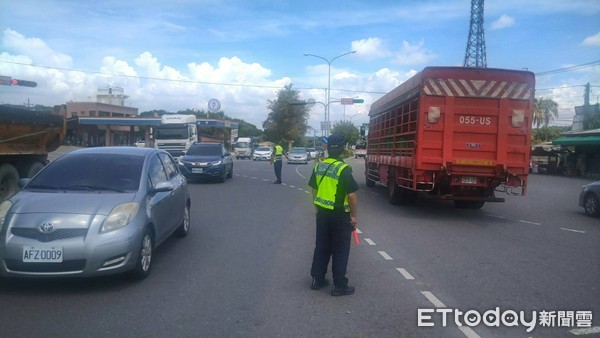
x=334 y=196
x=277 y=161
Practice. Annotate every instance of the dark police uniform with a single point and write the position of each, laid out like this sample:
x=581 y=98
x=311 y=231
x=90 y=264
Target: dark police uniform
x=332 y=180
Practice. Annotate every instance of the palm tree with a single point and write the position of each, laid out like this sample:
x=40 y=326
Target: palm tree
x=544 y=112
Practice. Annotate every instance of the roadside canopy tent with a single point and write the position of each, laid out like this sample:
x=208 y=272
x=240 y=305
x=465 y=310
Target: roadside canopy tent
x=581 y=138
x=577 y=140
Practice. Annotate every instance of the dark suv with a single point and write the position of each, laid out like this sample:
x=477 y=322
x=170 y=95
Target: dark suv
x=207 y=159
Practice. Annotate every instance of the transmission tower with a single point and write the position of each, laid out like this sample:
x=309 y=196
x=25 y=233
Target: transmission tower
x=475 y=54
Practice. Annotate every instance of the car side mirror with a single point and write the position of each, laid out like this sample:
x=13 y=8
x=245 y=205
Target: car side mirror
x=164 y=186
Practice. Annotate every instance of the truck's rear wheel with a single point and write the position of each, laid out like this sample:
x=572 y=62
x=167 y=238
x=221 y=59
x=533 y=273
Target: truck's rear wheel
x=469 y=204
x=394 y=191
x=8 y=181
x=33 y=168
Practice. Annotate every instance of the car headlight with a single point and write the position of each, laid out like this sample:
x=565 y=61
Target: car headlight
x=120 y=216
x=4 y=207
x=216 y=162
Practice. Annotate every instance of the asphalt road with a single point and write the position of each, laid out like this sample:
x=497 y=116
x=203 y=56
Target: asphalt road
x=243 y=270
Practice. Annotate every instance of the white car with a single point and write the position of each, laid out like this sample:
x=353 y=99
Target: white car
x=262 y=153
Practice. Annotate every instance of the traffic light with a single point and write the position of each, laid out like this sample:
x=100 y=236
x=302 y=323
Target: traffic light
x=24 y=83
x=358 y=101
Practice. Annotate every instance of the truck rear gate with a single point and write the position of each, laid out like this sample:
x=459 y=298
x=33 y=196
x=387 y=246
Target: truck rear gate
x=456 y=132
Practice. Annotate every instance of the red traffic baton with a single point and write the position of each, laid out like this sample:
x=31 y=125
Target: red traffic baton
x=355 y=236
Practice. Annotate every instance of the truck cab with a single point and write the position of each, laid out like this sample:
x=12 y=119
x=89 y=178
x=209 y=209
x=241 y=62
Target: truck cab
x=176 y=133
x=243 y=148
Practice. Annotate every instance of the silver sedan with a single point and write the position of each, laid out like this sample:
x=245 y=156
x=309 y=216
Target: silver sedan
x=94 y=211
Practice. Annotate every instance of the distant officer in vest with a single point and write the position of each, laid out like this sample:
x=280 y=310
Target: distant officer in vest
x=277 y=161
x=334 y=196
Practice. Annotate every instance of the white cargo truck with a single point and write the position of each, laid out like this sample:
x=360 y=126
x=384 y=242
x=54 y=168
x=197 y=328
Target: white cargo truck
x=176 y=133
x=243 y=148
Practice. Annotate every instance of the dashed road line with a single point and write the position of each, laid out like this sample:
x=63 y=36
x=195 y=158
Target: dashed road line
x=370 y=241
x=469 y=332
x=433 y=299
x=529 y=222
x=573 y=230
x=405 y=273
x=586 y=331
x=385 y=256
x=496 y=216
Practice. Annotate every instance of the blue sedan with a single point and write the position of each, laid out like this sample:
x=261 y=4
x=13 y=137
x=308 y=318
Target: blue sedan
x=207 y=160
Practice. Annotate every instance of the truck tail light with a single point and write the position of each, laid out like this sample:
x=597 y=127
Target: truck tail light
x=433 y=115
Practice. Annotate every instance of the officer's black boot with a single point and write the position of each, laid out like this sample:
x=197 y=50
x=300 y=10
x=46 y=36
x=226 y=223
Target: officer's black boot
x=319 y=283
x=342 y=290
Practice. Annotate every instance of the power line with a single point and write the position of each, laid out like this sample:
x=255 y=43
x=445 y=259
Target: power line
x=179 y=80
x=568 y=69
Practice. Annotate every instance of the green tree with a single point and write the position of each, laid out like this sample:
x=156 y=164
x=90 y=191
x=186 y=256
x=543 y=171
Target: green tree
x=544 y=112
x=346 y=128
x=286 y=122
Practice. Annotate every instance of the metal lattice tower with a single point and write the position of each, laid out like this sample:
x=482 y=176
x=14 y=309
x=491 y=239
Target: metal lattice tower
x=475 y=54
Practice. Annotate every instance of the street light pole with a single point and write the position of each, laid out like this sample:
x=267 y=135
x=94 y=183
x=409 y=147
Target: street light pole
x=327 y=117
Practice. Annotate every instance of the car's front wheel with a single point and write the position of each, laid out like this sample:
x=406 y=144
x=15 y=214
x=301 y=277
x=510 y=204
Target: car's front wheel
x=144 y=259
x=184 y=227
x=591 y=205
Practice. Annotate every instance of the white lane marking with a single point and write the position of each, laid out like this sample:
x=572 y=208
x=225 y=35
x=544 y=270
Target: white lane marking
x=589 y=330
x=306 y=191
x=385 y=256
x=370 y=241
x=469 y=332
x=433 y=299
x=283 y=183
x=358 y=231
x=405 y=273
x=573 y=230
x=496 y=216
x=291 y=186
x=254 y=177
x=300 y=189
x=528 y=222
x=299 y=174
x=266 y=180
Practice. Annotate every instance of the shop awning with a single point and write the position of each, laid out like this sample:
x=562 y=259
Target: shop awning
x=578 y=140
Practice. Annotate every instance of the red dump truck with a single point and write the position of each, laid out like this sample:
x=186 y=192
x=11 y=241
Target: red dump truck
x=457 y=133
x=26 y=138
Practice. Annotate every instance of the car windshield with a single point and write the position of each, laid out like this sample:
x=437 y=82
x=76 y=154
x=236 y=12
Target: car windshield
x=242 y=145
x=298 y=151
x=263 y=149
x=311 y=149
x=91 y=172
x=205 y=150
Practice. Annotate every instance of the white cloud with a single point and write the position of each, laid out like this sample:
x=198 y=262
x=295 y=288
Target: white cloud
x=593 y=40
x=503 y=22
x=370 y=48
x=34 y=48
x=413 y=54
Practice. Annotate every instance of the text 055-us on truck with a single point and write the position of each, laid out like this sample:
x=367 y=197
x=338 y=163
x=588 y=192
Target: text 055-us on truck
x=459 y=134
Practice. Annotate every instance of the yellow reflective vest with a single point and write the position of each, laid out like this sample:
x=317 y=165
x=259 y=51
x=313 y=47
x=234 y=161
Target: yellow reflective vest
x=278 y=153
x=327 y=175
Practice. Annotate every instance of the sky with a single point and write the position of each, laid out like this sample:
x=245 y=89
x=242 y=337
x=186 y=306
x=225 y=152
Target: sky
x=179 y=54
